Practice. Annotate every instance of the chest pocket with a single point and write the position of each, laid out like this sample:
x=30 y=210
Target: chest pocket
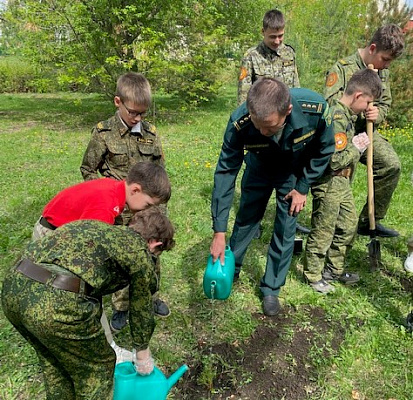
x=146 y=149
x=118 y=154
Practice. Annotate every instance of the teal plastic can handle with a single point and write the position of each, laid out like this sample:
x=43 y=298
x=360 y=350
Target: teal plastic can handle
x=218 y=279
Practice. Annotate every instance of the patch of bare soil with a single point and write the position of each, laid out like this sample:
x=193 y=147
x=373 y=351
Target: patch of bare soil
x=277 y=362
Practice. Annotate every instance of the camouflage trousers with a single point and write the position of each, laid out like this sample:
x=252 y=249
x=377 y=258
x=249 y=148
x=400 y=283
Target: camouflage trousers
x=64 y=329
x=40 y=231
x=333 y=227
x=386 y=173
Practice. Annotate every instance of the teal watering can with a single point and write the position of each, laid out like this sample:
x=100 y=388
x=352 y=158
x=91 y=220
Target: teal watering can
x=218 y=278
x=129 y=385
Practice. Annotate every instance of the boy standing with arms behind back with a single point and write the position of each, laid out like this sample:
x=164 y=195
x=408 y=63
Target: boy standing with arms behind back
x=334 y=217
x=118 y=143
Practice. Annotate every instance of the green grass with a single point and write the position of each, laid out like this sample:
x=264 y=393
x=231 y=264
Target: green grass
x=42 y=141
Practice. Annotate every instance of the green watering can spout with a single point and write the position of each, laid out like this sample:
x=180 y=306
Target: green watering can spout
x=176 y=376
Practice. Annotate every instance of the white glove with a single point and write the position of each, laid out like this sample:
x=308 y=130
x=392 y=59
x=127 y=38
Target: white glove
x=122 y=354
x=408 y=264
x=143 y=361
x=361 y=142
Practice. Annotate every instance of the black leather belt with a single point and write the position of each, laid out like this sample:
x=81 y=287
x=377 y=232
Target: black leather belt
x=58 y=281
x=44 y=222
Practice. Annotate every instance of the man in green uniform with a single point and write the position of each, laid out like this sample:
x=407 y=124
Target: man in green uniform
x=289 y=142
x=53 y=297
x=271 y=58
x=334 y=216
x=387 y=44
x=115 y=146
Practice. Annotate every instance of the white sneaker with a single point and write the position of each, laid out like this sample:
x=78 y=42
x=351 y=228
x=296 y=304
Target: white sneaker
x=408 y=264
x=122 y=354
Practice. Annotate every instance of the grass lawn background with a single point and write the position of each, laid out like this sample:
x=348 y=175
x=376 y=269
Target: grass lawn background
x=42 y=140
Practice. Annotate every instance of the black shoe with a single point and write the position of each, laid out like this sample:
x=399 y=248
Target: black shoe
x=236 y=277
x=347 y=278
x=409 y=322
x=302 y=229
x=258 y=233
x=119 y=320
x=364 y=230
x=160 y=308
x=271 y=305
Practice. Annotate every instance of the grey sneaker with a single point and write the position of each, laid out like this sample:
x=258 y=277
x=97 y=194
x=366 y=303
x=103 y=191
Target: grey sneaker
x=322 y=286
x=119 y=320
x=347 y=278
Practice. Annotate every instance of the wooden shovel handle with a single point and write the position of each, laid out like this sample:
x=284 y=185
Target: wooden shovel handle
x=370 y=184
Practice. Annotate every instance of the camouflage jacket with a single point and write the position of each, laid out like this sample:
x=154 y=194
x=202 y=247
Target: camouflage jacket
x=113 y=149
x=340 y=74
x=108 y=258
x=261 y=61
x=346 y=154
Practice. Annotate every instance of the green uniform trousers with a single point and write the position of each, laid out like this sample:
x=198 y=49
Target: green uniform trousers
x=333 y=227
x=386 y=173
x=256 y=190
x=65 y=330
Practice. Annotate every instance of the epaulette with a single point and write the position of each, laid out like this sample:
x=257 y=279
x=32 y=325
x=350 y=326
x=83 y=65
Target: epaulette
x=338 y=115
x=343 y=61
x=103 y=126
x=149 y=127
x=291 y=47
x=312 y=107
x=242 y=122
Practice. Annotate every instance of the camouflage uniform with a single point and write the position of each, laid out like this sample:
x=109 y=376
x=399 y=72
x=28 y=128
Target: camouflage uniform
x=112 y=151
x=334 y=216
x=64 y=327
x=386 y=163
x=261 y=61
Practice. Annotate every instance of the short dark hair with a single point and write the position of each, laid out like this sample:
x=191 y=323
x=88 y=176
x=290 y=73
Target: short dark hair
x=389 y=38
x=134 y=87
x=366 y=81
x=152 y=178
x=273 y=19
x=268 y=96
x=152 y=223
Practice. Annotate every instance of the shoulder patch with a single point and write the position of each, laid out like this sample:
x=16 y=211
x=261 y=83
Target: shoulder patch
x=332 y=79
x=341 y=141
x=103 y=126
x=149 y=127
x=242 y=122
x=311 y=106
x=243 y=73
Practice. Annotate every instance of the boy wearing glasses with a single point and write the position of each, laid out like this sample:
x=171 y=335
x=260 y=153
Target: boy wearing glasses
x=118 y=143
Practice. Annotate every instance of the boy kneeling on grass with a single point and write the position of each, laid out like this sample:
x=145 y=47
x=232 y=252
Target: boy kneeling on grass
x=53 y=297
x=334 y=217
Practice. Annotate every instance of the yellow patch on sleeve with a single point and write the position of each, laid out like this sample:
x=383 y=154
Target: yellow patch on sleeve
x=341 y=141
x=332 y=79
x=243 y=73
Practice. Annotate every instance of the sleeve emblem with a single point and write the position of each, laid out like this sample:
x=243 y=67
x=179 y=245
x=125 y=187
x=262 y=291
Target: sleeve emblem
x=332 y=79
x=243 y=73
x=341 y=141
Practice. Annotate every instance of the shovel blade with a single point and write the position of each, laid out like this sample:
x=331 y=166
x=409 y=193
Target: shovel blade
x=374 y=254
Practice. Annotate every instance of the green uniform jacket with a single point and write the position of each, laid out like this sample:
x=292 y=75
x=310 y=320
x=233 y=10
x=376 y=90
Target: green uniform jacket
x=113 y=149
x=346 y=154
x=108 y=258
x=303 y=151
x=338 y=77
x=260 y=61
